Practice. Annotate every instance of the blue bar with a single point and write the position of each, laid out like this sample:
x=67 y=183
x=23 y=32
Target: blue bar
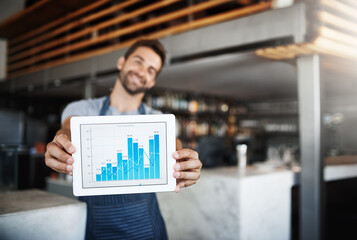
x=125 y=170
x=115 y=173
x=136 y=161
x=141 y=163
x=147 y=173
x=119 y=158
x=130 y=148
x=104 y=174
x=151 y=157
x=120 y=174
x=130 y=169
x=157 y=156
x=109 y=172
x=130 y=159
x=120 y=166
x=99 y=177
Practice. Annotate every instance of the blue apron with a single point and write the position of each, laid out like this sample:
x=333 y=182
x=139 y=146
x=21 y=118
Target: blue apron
x=125 y=216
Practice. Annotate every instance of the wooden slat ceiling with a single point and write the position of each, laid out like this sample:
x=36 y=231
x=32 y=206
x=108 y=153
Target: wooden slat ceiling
x=106 y=25
x=336 y=24
x=37 y=15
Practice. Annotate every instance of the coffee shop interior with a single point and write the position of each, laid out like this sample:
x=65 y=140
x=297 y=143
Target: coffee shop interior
x=264 y=90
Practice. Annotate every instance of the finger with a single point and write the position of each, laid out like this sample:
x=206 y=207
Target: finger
x=187 y=175
x=61 y=171
x=64 y=142
x=185 y=153
x=187 y=165
x=53 y=150
x=178 y=144
x=183 y=183
x=58 y=166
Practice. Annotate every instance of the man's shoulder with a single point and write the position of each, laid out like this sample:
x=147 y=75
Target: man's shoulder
x=84 y=107
x=91 y=103
x=150 y=110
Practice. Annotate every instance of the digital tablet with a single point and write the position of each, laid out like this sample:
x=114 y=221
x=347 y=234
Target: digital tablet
x=123 y=154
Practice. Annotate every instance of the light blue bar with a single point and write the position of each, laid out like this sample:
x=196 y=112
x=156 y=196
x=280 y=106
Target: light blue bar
x=109 y=172
x=115 y=173
x=99 y=177
x=130 y=159
x=120 y=166
x=141 y=163
x=151 y=158
x=136 y=160
x=125 y=170
x=104 y=174
x=157 y=156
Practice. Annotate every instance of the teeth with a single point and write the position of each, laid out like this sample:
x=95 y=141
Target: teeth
x=137 y=79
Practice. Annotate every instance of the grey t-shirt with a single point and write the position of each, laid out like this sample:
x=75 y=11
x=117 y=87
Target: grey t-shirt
x=91 y=107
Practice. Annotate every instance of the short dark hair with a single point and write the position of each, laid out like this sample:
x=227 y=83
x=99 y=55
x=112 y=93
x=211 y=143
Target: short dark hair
x=154 y=44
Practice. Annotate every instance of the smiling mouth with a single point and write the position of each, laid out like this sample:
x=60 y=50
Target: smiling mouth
x=137 y=79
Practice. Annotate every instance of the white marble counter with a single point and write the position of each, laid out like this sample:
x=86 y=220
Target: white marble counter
x=35 y=214
x=228 y=204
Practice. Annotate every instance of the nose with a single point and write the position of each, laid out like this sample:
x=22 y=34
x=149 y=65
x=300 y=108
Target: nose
x=141 y=71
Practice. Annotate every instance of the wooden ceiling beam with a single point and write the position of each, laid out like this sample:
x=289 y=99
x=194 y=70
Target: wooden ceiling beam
x=89 y=30
x=172 y=30
x=117 y=33
x=213 y=19
x=18 y=15
x=57 y=22
x=71 y=25
x=244 y=2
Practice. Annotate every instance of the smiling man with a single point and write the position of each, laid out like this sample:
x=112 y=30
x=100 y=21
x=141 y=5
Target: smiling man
x=127 y=216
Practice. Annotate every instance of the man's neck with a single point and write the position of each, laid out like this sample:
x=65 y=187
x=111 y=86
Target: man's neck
x=122 y=100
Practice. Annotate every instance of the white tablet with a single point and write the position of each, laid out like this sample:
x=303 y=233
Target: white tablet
x=123 y=154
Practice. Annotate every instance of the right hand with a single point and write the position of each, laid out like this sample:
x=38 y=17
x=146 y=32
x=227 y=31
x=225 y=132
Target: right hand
x=59 y=152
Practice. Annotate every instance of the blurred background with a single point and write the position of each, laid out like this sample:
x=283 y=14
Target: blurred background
x=264 y=90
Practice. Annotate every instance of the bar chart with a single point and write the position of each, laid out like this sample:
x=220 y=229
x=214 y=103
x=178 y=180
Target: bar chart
x=133 y=167
x=124 y=154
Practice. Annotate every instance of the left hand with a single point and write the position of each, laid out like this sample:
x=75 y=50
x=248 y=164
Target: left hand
x=187 y=168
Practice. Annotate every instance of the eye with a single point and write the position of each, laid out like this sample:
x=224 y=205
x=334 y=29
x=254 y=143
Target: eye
x=152 y=72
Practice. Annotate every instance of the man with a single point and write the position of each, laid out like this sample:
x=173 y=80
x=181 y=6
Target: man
x=126 y=216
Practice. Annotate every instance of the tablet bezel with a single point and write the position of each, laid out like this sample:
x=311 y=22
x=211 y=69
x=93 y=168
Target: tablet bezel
x=76 y=123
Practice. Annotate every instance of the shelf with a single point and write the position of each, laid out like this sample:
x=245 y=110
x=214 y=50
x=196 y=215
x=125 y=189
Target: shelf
x=341 y=160
x=268 y=115
x=281 y=133
x=193 y=114
x=223 y=115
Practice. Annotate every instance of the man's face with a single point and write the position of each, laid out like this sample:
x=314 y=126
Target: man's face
x=138 y=72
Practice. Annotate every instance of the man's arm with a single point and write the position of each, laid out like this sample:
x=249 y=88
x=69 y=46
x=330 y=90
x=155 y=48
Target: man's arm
x=59 y=152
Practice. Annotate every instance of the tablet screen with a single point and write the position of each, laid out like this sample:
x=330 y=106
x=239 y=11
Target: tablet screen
x=123 y=154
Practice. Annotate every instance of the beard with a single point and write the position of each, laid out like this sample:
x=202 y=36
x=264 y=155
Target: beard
x=124 y=79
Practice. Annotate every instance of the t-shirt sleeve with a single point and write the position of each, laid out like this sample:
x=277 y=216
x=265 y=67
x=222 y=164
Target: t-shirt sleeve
x=78 y=108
